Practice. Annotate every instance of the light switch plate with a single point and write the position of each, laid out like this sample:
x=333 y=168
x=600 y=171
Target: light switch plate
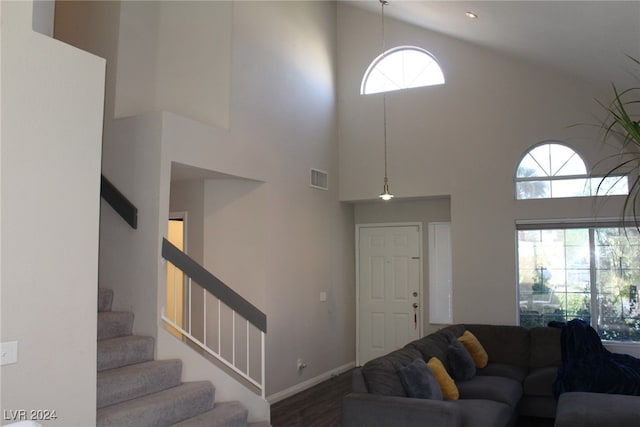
x=9 y=352
x=323 y=296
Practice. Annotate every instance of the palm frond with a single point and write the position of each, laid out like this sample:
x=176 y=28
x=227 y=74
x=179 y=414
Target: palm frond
x=621 y=124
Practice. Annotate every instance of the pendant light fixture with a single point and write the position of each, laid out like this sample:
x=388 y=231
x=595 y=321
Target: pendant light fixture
x=386 y=194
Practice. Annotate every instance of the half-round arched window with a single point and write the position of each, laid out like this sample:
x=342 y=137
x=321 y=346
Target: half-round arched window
x=554 y=170
x=402 y=67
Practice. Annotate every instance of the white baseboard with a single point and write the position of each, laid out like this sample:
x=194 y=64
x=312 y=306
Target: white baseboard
x=288 y=392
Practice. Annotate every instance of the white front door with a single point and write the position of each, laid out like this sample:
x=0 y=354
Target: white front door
x=389 y=287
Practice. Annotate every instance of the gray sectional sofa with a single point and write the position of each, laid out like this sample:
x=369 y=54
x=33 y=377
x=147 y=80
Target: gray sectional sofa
x=517 y=381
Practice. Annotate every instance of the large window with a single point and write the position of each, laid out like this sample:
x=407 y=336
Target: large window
x=553 y=170
x=402 y=67
x=590 y=272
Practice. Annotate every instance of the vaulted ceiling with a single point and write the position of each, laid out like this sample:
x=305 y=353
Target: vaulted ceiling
x=589 y=39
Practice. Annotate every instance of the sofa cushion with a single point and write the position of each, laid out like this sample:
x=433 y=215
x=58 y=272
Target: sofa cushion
x=545 y=349
x=475 y=348
x=447 y=385
x=578 y=409
x=461 y=365
x=358 y=385
x=503 y=370
x=539 y=382
x=504 y=344
x=498 y=389
x=419 y=381
x=381 y=375
x=370 y=410
x=483 y=413
x=452 y=331
x=433 y=345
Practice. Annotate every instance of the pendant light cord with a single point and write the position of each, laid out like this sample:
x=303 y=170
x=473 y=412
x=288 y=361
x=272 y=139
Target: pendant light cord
x=383 y=3
x=386 y=194
x=384 y=114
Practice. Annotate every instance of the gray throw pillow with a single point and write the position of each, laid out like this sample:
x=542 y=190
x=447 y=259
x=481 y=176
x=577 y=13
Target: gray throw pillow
x=418 y=381
x=462 y=366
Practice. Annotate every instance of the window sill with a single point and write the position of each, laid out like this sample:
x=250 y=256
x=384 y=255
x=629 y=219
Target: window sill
x=624 y=347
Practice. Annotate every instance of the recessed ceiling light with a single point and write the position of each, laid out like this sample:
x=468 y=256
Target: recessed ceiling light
x=471 y=15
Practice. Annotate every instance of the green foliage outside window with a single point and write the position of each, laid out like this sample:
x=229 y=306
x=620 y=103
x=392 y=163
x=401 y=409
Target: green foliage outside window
x=587 y=273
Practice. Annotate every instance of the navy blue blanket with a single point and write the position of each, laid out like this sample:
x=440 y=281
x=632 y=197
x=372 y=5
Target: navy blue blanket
x=588 y=366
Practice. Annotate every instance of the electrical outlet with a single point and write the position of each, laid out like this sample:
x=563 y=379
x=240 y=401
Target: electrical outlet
x=8 y=352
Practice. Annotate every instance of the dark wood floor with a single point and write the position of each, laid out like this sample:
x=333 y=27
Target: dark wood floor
x=321 y=406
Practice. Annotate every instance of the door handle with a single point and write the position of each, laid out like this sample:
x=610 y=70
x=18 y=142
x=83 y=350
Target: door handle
x=415 y=305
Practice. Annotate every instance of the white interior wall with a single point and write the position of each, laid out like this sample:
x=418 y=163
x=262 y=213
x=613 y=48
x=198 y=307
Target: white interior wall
x=305 y=243
x=92 y=26
x=462 y=139
x=175 y=56
x=283 y=116
x=50 y=213
x=234 y=228
x=135 y=67
x=193 y=72
x=306 y=236
x=130 y=259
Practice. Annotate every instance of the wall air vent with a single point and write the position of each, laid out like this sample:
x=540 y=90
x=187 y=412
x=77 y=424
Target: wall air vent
x=319 y=179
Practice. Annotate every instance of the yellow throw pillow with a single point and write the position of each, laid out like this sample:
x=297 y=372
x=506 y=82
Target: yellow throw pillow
x=475 y=349
x=447 y=385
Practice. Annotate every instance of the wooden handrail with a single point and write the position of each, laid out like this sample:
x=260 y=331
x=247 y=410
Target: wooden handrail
x=213 y=285
x=119 y=202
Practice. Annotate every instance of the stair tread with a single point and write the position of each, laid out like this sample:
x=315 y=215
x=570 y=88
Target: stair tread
x=113 y=324
x=133 y=381
x=160 y=409
x=126 y=350
x=134 y=390
x=224 y=414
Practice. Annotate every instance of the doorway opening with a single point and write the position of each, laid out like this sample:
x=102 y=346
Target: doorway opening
x=176 y=287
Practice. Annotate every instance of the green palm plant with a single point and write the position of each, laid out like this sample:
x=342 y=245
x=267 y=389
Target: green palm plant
x=622 y=122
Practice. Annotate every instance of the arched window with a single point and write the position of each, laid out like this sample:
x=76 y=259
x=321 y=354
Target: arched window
x=554 y=170
x=402 y=67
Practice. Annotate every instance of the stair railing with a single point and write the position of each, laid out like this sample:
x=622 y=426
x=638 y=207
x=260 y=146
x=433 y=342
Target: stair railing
x=223 y=297
x=119 y=202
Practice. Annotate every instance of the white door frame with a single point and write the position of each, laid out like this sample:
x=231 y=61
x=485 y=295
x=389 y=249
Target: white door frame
x=421 y=284
x=181 y=216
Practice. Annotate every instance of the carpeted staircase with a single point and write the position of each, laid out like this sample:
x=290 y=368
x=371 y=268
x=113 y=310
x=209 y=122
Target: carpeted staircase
x=135 y=390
